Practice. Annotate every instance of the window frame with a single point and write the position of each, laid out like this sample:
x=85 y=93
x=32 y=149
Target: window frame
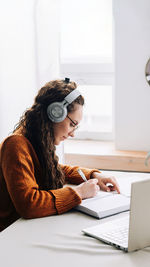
x=90 y=74
x=90 y=70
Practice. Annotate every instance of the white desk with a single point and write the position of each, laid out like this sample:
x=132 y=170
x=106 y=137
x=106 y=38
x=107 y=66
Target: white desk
x=58 y=241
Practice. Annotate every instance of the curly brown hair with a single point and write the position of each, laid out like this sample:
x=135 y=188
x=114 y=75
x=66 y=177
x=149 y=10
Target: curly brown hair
x=38 y=129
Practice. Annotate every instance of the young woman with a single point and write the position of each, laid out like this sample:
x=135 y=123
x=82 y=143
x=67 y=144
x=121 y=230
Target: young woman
x=31 y=179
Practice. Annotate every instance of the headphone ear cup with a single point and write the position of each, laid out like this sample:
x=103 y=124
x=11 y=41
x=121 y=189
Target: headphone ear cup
x=57 y=112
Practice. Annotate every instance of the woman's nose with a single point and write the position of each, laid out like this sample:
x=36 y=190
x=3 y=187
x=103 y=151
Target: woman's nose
x=71 y=134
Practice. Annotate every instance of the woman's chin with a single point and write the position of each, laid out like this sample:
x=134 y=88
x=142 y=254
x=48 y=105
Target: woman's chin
x=57 y=142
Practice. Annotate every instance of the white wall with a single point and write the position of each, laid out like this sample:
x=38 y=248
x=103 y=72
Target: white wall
x=29 y=55
x=132 y=93
x=17 y=62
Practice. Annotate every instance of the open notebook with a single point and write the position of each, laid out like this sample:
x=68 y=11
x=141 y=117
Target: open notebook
x=104 y=204
x=109 y=203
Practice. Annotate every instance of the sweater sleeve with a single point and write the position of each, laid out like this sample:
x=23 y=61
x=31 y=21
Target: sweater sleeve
x=73 y=177
x=18 y=167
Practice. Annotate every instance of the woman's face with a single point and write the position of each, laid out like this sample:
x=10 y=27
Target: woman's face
x=66 y=128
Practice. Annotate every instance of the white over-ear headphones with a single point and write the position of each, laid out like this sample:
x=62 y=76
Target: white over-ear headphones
x=57 y=111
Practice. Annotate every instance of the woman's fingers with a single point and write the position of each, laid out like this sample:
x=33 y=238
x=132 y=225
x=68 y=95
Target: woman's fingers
x=109 y=184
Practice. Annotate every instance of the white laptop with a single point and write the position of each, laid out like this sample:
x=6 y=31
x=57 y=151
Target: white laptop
x=129 y=232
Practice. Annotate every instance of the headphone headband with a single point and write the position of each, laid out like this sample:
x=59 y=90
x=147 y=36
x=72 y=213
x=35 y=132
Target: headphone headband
x=72 y=96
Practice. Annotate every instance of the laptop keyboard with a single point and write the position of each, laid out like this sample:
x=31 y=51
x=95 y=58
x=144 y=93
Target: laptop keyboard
x=119 y=234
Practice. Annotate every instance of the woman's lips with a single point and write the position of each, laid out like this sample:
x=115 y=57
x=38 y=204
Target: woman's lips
x=63 y=138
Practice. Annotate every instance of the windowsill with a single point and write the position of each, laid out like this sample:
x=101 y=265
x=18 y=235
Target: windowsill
x=103 y=155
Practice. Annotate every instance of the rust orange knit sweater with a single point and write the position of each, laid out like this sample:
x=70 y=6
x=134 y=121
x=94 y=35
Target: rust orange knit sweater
x=20 y=177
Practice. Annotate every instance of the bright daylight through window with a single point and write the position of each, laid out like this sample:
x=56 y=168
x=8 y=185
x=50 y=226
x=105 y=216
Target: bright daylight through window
x=86 y=57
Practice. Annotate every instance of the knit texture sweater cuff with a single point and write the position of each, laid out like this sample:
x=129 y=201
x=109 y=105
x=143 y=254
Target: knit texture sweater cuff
x=65 y=199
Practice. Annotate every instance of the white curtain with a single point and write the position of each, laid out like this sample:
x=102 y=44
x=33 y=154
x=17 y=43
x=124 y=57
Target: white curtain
x=29 y=55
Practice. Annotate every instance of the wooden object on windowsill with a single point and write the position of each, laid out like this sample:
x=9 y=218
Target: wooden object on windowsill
x=102 y=155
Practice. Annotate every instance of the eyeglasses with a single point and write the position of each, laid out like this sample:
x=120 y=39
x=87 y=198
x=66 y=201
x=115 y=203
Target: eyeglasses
x=74 y=124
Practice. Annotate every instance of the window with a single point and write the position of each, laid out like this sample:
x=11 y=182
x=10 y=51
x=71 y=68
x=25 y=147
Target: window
x=86 y=57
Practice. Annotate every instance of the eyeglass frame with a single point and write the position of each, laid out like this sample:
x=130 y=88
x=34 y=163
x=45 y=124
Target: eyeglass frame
x=76 y=126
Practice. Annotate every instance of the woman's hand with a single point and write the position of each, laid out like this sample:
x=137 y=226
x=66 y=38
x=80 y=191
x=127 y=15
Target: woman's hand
x=106 y=182
x=98 y=181
x=87 y=189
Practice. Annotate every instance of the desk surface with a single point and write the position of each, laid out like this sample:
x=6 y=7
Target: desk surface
x=58 y=241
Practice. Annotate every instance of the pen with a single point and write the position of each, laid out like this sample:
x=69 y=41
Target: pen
x=82 y=175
